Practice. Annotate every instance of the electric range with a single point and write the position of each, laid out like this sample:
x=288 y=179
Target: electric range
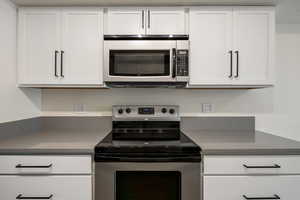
x=146 y=156
x=146 y=133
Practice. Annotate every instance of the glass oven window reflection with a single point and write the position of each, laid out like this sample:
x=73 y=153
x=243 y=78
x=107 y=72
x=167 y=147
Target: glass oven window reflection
x=139 y=63
x=148 y=185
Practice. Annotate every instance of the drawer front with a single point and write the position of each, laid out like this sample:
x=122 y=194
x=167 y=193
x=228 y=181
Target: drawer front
x=45 y=164
x=251 y=165
x=46 y=187
x=247 y=187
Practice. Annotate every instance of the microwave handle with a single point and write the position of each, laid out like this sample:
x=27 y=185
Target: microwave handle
x=174 y=63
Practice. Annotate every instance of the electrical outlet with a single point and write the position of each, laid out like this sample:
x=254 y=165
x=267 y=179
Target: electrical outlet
x=207 y=107
x=78 y=107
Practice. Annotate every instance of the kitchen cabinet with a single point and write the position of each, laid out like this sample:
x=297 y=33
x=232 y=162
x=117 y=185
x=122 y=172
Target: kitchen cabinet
x=210 y=43
x=232 y=46
x=60 y=46
x=39 y=38
x=124 y=21
x=246 y=177
x=247 y=187
x=46 y=177
x=150 y=21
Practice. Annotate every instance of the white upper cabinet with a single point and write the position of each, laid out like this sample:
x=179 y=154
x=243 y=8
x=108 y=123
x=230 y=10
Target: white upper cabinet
x=254 y=43
x=232 y=46
x=166 y=21
x=210 y=46
x=125 y=21
x=135 y=21
x=39 y=39
x=60 y=46
x=82 y=45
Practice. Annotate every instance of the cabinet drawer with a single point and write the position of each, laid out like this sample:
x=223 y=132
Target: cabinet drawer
x=252 y=165
x=44 y=187
x=45 y=164
x=247 y=187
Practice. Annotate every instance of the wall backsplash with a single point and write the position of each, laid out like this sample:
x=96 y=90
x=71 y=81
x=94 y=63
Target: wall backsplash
x=190 y=100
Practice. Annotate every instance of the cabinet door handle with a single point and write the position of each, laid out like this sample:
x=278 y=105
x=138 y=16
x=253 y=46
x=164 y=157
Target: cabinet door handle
x=256 y=198
x=231 y=57
x=174 y=63
x=275 y=166
x=143 y=19
x=148 y=19
x=237 y=64
x=20 y=196
x=55 y=64
x=33 y=166
x=62 y=64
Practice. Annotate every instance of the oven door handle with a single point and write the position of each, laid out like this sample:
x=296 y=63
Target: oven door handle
x=174 y=62
x=195 y=158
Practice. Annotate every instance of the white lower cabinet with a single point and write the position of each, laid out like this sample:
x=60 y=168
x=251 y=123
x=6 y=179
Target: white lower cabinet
x=44 y=187
x=250 y=187
x=249 y=177
x=55 y=177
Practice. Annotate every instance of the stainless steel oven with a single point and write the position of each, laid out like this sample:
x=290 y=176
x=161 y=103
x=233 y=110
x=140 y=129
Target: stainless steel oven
x=147 y=181
x=146 y=59
x=147 y=157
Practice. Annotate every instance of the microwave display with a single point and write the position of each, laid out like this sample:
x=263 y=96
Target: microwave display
x=139 y=63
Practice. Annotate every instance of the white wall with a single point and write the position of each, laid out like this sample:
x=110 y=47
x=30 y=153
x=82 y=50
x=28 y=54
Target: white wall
x=285 y=120
x=15 y=103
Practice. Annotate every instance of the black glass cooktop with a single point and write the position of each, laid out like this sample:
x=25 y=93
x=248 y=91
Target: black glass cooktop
x=183 y=149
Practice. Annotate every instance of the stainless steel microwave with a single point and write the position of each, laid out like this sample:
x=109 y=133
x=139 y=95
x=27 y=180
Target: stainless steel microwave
x=146 y=60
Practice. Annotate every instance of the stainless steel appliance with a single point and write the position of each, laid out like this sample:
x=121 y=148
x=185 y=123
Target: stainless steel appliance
x=146 y=60
x=146 y=156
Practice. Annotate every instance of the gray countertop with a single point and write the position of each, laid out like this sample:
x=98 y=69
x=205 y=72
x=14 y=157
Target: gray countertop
x=76 y=135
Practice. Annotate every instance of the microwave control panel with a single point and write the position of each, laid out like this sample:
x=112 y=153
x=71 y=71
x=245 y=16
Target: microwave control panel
x=182 y=62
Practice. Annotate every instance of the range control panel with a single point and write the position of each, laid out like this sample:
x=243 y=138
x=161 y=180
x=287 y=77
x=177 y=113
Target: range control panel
x=145 y=112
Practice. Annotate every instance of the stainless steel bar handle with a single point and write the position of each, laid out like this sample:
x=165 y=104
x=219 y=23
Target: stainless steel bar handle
x=148 y=19
x=20 y=196
x=55 y=64
x=275 y=166
x=231 y=62
x=257 y=198
x=62 y=64
x=143 y=19
x=33 y=166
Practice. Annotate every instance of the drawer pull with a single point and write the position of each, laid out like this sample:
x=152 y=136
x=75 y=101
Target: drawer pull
x=33 y=166
x=262 y=167
x=256 y=198
x=20 y=196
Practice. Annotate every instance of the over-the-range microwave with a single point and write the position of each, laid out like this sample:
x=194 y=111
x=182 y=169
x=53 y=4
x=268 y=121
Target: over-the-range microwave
x=146 y=60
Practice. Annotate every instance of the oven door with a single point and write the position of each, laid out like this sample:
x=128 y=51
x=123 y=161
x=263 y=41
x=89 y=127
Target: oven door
x=147 y=181
x=139 y=61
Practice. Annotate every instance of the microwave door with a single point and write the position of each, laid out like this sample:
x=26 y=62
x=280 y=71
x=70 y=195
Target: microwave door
x=139 y=61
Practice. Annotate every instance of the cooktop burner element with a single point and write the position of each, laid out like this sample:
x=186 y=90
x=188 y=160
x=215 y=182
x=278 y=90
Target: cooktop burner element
x=146 y=133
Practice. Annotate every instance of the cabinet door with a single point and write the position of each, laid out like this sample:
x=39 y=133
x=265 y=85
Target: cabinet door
x=83 y=46
x=251 y=187
x=166 y=21
x=46 y=187
x=39 y=38
x=125 y=21
x=254 y=40
x=210 y=43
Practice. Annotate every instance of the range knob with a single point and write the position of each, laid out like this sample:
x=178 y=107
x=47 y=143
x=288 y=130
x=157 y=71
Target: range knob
x=120 y=111
x=164 y=110
x=171 y=111
x=128 y=110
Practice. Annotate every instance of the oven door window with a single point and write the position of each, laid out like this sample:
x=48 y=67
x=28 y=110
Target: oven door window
x=139 y=63
x=148 y=185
